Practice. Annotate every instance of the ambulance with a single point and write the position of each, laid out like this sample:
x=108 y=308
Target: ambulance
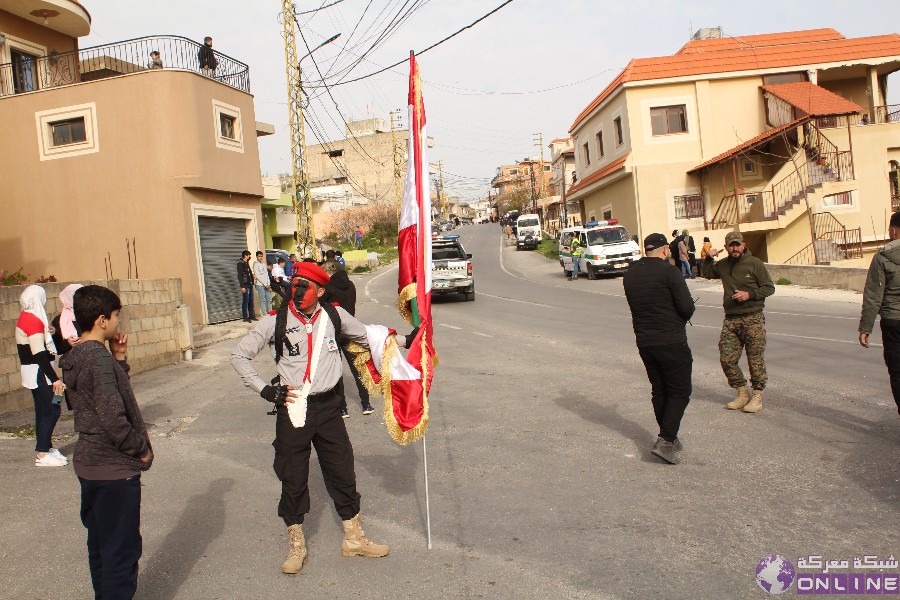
x=606 y=248
x=528 y=232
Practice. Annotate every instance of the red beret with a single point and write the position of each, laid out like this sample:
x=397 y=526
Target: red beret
x=311 y=271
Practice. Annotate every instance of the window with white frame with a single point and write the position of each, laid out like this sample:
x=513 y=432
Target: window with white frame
x=67 y=131
x=227 y=120
x=842 y=199
x=601 y=151
x=587 y=153
x=666 y=120
x=513 y=171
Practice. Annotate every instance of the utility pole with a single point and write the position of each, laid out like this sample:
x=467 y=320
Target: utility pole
x=565 y=208
x=533 y=189
x=441 y=197
x=398 y=178
x=540 y=144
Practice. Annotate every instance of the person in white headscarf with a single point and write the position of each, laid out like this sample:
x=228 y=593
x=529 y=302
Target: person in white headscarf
x=65 y=330
x=37 y=351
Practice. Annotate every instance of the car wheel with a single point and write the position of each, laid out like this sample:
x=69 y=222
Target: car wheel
x=591 y=273
x=470 y=296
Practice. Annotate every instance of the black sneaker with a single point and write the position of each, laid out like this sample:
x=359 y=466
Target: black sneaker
x=678 y=445
x=367 y=408
x=665 y=451
x=344 y=413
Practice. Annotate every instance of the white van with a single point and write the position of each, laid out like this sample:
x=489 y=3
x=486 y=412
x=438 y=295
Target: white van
x=605 y=248
x=528 y=232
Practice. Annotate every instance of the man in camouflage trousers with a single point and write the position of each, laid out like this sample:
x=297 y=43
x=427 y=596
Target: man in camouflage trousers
x=747 y=284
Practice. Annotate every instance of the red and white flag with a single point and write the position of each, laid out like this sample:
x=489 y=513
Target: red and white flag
x=407 y=418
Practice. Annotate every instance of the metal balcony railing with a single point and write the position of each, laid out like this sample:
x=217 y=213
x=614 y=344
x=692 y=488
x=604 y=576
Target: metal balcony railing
x=30 y=74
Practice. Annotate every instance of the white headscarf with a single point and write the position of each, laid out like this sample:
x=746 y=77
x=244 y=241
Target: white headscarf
x=67 y=315
x=32 y=301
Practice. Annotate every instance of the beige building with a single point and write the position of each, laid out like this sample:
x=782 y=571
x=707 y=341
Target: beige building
x=114 y=169
x=363 y=160
x=785 y=137
x=518 y=178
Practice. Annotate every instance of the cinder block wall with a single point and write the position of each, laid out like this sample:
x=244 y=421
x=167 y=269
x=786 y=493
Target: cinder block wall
x=148 y=317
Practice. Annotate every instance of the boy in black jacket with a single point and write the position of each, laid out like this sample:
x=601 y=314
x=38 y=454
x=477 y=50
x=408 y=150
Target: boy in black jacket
x=113 y=448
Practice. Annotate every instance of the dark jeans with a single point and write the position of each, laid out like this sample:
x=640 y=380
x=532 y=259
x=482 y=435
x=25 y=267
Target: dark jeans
x=669 y=371
x=360 y=388
x=890 y=337
x=46 y=414
x=326 y=431
x=247 y=302
x=111 y=512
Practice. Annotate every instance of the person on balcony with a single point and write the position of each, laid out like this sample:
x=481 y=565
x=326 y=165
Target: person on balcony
x=207 y=58
x=747 y=284
x=882 y=297
x=155 y=61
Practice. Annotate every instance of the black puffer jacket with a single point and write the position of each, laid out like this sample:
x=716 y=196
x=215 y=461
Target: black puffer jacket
x=660 y=302
x=341 y=290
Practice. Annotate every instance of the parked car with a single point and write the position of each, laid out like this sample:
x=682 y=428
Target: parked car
x=451 y=268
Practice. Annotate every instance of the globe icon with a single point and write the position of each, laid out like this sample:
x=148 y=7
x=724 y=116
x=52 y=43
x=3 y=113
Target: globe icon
x=775 y=574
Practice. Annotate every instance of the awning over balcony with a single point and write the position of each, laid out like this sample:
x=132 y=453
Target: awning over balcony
x=65 y=16
x=812 y=100
x=759 y=140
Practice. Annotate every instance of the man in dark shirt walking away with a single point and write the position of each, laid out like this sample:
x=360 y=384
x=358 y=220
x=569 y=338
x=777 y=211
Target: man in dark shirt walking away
x=747 y=284
x=882 y=297
x=661 y=305
x=207 y=58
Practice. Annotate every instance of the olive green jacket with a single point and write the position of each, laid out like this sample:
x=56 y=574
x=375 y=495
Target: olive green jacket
x=882 y=293
x=746 y=274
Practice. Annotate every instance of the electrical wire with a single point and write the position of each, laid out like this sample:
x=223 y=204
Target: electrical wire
x=315 y=10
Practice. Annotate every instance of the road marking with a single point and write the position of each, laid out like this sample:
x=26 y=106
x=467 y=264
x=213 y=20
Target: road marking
x=482 y=334
x=449 y=326
x=515 y=300
x=368 y=283
x=801 y=337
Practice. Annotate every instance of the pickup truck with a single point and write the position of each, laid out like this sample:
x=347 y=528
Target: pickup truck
x=451 y=268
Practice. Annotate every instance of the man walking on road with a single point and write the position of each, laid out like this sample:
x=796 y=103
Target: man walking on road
x=747 y=284
x=661 y=305
x=882 y=297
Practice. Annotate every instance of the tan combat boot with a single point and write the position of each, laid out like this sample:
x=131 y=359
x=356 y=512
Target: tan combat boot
x=755 y=404
x=357 y=544
x=741 y=398
x=298 y=554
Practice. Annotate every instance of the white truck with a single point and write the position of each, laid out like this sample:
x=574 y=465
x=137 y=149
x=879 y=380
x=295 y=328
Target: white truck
x=528 y=232
x=451 y=267
x=606 y=248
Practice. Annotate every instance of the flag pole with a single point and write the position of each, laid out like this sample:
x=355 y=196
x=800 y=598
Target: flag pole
x=417 y=321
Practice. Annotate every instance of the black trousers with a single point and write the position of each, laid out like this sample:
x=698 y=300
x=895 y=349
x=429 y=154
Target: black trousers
x=669 y=370
x=326 y=431
x=890 y=337
x=46 y=414
x=111 y=512
x=360 y=388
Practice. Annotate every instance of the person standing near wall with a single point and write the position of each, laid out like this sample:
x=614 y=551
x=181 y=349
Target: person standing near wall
x=206 y=56
x=262 y=283
x=37 y=351
x=245 y=280
x=359 y=236
x=882 y=297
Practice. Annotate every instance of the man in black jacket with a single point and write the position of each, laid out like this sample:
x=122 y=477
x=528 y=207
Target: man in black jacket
x=245 y=280
x=660 y=305
x=207 y=58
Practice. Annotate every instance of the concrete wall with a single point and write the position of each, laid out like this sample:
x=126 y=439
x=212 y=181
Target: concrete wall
x=148 y=317
x=35 y=36
x=842 y=278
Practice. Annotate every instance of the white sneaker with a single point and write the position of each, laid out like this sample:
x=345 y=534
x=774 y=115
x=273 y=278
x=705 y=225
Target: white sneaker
x=49 y=460
x=59 y=454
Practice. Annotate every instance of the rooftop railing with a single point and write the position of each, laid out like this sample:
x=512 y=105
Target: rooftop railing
x=32 y=73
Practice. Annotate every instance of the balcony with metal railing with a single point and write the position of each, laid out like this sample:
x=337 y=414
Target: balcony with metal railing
x=31 y=74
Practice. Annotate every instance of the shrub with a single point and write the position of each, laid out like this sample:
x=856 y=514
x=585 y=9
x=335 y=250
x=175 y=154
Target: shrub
x=46 y=279
x=16 y=277
x=783 y=281
x=361 y=269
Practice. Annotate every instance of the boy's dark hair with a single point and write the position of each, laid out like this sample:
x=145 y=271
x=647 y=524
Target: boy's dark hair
x=90 y=302
x=258 y=252
x=338 y=252
x=281 y=261
x=895 y=219
x=329 y=255
x=706 y=239
x=245 y=253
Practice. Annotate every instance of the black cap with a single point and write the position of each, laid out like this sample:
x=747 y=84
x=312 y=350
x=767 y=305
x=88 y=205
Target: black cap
x=654 y=241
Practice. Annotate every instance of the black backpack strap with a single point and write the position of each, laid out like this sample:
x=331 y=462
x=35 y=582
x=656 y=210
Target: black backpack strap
x=280 y=328
x=335 y=317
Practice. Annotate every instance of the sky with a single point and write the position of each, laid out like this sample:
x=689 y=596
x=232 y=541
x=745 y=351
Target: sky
x=528 y=69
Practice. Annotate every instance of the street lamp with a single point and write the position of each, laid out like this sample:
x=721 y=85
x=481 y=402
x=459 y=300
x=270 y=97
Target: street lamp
x=325 y=43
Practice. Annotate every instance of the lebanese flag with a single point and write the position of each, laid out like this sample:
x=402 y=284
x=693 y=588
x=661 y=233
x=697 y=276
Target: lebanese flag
x=406 y=413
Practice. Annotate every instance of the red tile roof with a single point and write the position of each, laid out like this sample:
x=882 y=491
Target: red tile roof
x=758 y=41
x=760 y=139
x=743 y=57
x=561 y=140
x=598 y=175
x=812 y=99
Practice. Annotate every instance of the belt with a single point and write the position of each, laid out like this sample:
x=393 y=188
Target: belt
x=326 y=395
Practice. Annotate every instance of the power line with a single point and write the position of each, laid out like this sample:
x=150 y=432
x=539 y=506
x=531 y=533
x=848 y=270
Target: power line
x=315 y=10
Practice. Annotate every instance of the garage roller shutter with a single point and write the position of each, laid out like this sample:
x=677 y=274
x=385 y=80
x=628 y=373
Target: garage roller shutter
x=221 y=244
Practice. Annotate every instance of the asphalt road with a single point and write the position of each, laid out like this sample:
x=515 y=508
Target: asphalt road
x=541 y=481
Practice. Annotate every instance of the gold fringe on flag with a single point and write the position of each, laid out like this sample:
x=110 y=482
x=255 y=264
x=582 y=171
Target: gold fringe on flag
x=397 y=434
x=403 y=300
